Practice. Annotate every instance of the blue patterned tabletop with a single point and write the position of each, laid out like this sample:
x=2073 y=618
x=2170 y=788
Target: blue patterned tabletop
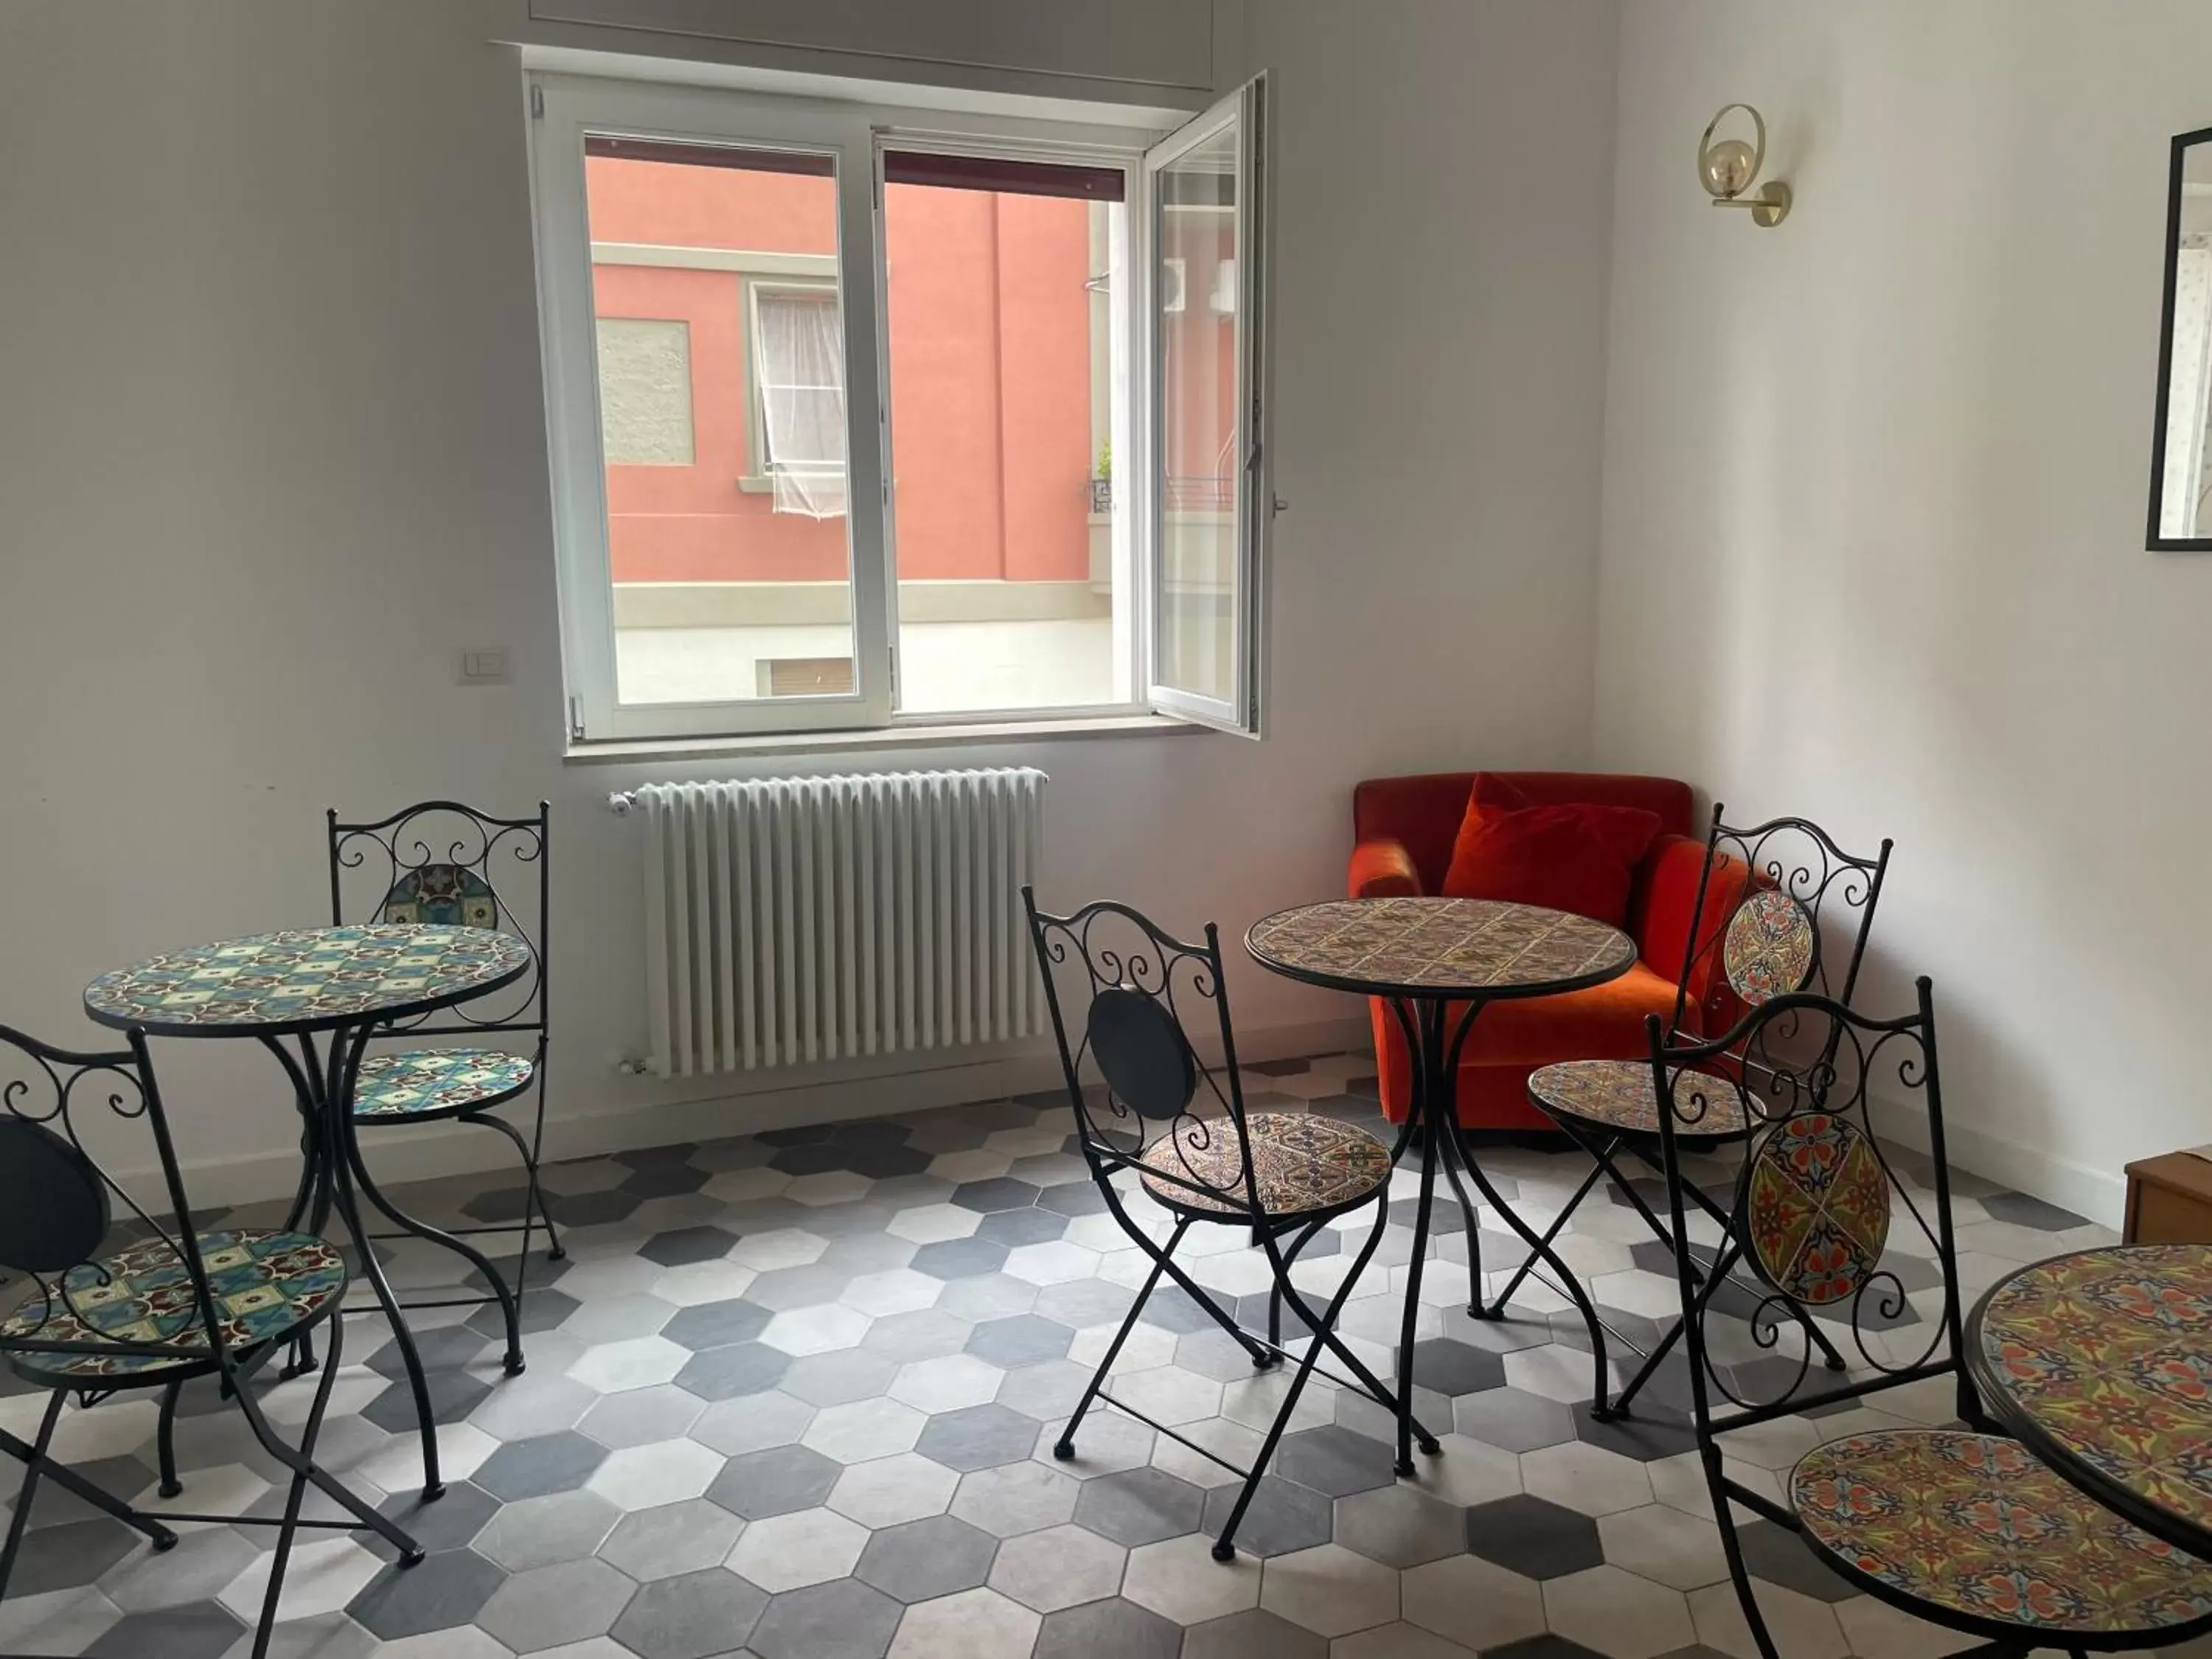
x=305 y=978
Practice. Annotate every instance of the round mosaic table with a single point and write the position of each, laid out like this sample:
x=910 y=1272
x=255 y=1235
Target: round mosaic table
x=2101 y=1363
x=287 y=989
x=1439 y=963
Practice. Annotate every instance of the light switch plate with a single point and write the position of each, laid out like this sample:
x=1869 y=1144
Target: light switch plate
x=483 y=665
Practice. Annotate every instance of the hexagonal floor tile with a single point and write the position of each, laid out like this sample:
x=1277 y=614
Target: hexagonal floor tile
x=673 y=1539
x=686 y=1244
x=1614 y=1612
x=864 y=1430
x=538 y=1532
x=1283 y=1516
x=1335 y=1461
x=790 y=1551
x=1586 y=1478
x=1139 y=1506
x=543 y=1463
x=949 y=1382
x=916 y=1560
x=1399 y=1526
x=1179 y=1579
x=1059 y=1567
x=690 y=1615
x=1533 y=1537
x=888 y=1491
x=446 y=1592
x=1473 y=1603
x=715 y=1324
x=1117 y=1626
x=1015 y=1499
x=844 y=1617
x=777 y=1481
x=725 y=1373
x=1329 y=1591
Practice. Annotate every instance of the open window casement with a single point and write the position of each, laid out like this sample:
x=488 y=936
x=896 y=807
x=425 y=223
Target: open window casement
x=1207 y=459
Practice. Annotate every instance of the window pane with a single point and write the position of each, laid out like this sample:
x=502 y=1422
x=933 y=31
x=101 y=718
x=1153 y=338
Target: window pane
x=721 y=370
x=1195 y=645
x=1004 y=333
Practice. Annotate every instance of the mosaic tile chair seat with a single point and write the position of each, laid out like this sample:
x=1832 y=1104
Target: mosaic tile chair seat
x=1156 y=1123
x=1766 y=899
x=442 y=863
x=106 y=1304
x=1961 y=1528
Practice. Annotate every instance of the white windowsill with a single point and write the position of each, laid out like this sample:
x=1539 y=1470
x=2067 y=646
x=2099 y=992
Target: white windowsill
x=895 y=737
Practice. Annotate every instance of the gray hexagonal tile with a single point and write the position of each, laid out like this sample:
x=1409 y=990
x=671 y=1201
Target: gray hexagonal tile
x=1783 y=1558
x=1284 y=1516
x=1020 y=1339
x=1252 y=1634
x=454 y=1395
x=1139 y=1506
x=1015 y=1499
x=539 y=1532
x=838 y=1377
x=1059 y=1567
x=978 y=1437
x=446 y=1591
x=1513 y=1419
x=684 y=1244
x=76 y=1552
x=1399 y=1526
x=1532 y=1537
x=959 y=1258
x=780 y=1481
x=1115 y=1626
x=742 y=1367
x=552 y=1607
x=448 y=1522
x=716 y=1324
x=198 y=1630
x=844 y=1619
x=1335 y=1460
x=1001 y=1193
x=1015 y=1228
x=1453 y=1368
x=546 y=1464
x=691 y=1615
x=674 y=1538
x=917 y=1560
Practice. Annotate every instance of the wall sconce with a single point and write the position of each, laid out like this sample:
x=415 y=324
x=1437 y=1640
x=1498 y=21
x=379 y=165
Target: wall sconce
x=1727 y=167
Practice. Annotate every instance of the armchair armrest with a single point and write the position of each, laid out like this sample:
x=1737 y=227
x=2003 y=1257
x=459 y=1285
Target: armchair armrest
x=1383 y=869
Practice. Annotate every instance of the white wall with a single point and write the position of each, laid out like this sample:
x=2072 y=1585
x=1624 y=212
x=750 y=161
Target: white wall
x=1875 y=484
x=271 y=452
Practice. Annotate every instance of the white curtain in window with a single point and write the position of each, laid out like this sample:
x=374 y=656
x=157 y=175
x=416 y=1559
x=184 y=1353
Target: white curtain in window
x=801 y=371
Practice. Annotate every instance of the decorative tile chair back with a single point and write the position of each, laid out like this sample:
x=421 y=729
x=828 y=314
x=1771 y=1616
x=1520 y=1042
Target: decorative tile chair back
x=1824 y=1215
x=1771 y=900
x=441 y=862
x=113 y=1291
x=1142 y=1095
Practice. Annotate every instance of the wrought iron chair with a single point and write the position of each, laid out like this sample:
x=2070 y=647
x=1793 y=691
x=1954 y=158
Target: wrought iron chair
x=1162 y=1121
x=100 y=1306
x=440 y=861
x=1959 y=1526
x=1768 y=896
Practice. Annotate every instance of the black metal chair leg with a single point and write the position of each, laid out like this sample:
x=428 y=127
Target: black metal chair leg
x=1263 y=1357
x=1558 y=1225
x=1225 y=1546
x=468 y=1252
x=77 y=1485
x=34 y=1468
x=288 y=1527
x=1275 y=1290
x=1064 y=1447
x=1383 y=1393
x=534 y=1200
x=1733 y=1550
x=165 y=1439
x=555 y=1249
x=324 y=1481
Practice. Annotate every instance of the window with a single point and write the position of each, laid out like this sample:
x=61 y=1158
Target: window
x=863 y=417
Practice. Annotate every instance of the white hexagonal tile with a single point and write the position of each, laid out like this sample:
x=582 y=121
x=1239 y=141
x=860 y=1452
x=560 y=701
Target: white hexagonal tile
x=226 y=1489
x=643 y=1362
x=1467 y=1472
x=462 y=1449
x=618 y=1318
x=901 y=1290
x=661 y=1472
x=1473 y=1603
x=889 y=1491
x=1874 y=1627
x=800 y=1331
x=1661 y=1543
x=865 y=1430
x=739 y=1186
x=321 y=1577
x=948 y=1384
x=830 y=1186
x=1329 y=1591
x=780 y=1247
x=1803 y=1626
x=1775 y=1444
x=1555 y=1373
x=1059 y=1567
x=1181 y=1581
x=978 y=1165
x=1147 y=1346
x=933 y=1223
x=1169 y=1395
x=1399 y=1641
x=1233 y=1442
x=1056 y=1261
x=697 y=1283
x=790 y=1551
x=1246 y=1273
x=976 y=1624
x=752 y=1423
x=1614 y=1613
x=1032 y=1141
x=1585 y=1478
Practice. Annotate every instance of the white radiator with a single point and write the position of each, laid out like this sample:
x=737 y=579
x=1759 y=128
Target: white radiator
x=791 y=920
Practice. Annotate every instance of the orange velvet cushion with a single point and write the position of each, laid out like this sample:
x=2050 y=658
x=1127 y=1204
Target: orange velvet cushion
x=1581 y=859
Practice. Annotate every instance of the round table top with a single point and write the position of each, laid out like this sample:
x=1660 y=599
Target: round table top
x=1440 y=947
x=306 y=978
x=2101 y=1363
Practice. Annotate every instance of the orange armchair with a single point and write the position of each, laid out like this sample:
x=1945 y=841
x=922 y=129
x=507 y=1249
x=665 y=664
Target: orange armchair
x=1404 y=828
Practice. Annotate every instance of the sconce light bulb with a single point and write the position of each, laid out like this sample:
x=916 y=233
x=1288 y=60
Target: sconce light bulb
x=1730 y=166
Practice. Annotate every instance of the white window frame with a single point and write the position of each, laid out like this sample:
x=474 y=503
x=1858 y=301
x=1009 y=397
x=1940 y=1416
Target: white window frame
x=566 y=108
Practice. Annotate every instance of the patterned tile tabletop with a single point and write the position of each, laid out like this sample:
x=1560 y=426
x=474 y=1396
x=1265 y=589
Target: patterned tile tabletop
x=794 y=1396
x=2108 y=1353
x=1441 y=945
x=306 y=977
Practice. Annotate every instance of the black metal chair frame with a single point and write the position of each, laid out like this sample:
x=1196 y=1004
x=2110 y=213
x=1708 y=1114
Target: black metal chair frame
x=76 y=1200
x=1116 y=1134
x=446 y=833
x=1815 y=871
x=1792 y=1078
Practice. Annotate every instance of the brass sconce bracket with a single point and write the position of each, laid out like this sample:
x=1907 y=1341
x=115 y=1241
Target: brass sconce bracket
x=1727 y=167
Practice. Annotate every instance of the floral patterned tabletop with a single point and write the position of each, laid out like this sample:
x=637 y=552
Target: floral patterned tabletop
x=306 y=978
x=1440 y=947
x=2102 y=1361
